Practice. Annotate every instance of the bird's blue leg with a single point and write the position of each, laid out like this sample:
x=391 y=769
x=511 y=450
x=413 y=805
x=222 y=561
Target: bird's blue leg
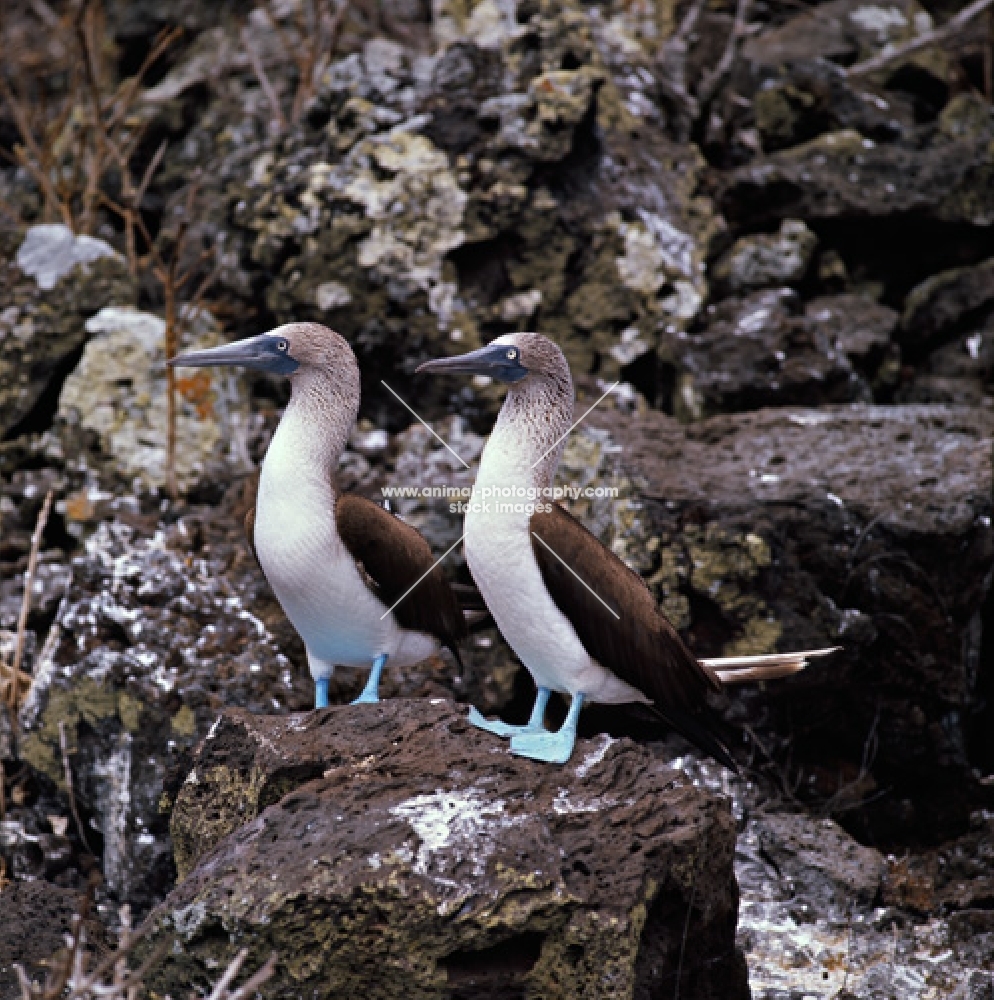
x=371 y=692
x=535 y=723
x=555 y=748
x=321 y=692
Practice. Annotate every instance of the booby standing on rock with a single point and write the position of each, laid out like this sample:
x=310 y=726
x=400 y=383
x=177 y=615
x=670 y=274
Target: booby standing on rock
x=579 y=619
x=359 y=585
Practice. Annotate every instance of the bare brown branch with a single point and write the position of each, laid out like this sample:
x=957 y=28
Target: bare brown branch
x=709 y=87
x=29 y=577
x=923 y=41
x=267 y=87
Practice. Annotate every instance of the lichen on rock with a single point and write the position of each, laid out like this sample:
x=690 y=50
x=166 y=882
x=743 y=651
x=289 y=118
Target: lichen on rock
x=118 y=391
x=51 y=281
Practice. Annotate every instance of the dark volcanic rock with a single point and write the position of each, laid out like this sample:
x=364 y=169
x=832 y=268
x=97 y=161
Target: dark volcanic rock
x=867 y=526
x=842 y=174
x=767 y=260
x=392 y=850
x=36 y=918
x=50 y=283
x=151 y=639
x=805 y=99
x=845 y=30
x=762 y=351
x=945 y=302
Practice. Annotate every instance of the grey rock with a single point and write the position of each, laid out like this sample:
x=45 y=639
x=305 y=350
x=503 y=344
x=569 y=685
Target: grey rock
x=805 y=99
x=761 y=351
x=768 y=260
x=846 y=30
x=118 y=391
x=50 y=252
x=941 y=304
x=844 y=174
x=153 y=636
x=36 y=916
x=42 y=321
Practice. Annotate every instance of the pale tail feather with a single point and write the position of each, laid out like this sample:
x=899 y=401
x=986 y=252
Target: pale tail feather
x=742 y=669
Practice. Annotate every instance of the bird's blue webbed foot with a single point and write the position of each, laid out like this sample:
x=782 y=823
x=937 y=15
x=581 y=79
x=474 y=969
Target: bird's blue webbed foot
x=535 y=723
x=321 y=692
x=371 y=692
x=553 y=748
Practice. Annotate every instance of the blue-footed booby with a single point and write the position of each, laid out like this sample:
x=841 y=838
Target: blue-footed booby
x=579 y=619
x=359 y=585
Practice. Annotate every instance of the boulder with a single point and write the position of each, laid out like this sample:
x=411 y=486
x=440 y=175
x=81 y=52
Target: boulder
x=393 y=850
x=864 y=526
x=762 y=350
x=768 y=259
x=149 y=640
x=51 y=282
x=845 y=30
x=812 y=921
x=844 y=174
x=947 y=303
x=36 y=918
x=118 y=393
x=424 y=204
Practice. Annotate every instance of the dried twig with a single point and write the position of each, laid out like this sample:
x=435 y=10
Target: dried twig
x=989 y=58
x=14 y=679
x=673 y=63
x=267 y=87
x=923 y=41
x=714 y=79
x=67 y=769
x=71 y=978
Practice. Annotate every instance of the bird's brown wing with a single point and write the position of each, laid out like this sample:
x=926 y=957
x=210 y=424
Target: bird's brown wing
x=393 y=558
x=620 y=626
x=245 y=501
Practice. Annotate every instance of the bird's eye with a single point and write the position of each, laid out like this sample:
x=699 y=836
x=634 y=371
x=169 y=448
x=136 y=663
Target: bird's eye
x=511 y=354
x=282 y=345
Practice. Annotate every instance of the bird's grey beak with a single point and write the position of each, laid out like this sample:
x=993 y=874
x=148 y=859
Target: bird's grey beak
x=499 y=361
x=267 y=352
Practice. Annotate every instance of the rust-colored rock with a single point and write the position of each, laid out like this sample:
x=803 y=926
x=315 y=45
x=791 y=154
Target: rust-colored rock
x=393 y=851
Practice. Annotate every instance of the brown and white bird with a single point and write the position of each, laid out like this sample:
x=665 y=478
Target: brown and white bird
x=579 y=619
x=359 y=585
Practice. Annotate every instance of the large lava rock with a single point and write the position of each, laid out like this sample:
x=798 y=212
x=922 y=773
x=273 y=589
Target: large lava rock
x=392 y=850
x=51 y=281
x=520 y=176
x=151 y=637
x=864 y=526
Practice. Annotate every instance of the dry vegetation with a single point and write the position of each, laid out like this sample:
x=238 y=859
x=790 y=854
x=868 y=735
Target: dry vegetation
x=76 y=974
x=81 y=132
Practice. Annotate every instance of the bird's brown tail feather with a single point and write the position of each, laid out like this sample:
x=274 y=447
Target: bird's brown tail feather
x=743 y=669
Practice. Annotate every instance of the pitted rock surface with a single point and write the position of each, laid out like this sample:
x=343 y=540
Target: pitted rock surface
x=425 y=860
x=869 y=527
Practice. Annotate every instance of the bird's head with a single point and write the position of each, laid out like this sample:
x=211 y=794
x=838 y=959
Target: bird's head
x=514 y=358
x=287 y=350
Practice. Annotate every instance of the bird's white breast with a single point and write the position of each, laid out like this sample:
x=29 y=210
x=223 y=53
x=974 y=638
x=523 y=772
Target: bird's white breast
x=500 y=556
x=311 y=572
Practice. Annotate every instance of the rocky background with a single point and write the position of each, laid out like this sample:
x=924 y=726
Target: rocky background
x=767 y=224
